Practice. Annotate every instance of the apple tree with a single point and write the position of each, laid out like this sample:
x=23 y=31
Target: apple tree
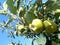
x=33 y=19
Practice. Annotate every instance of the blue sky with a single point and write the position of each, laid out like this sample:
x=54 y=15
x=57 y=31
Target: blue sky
x=4 y=40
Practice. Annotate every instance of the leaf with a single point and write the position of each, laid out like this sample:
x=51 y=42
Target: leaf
x=59 y=28
x=52 y=5
x=41 y=40
x=11 y=43
x=5 y=6
x=21 y=11
x=17 y=4
x=11 y=6
x=1 y=11
x=59 y=36
x=30 y=15
x=55 y=43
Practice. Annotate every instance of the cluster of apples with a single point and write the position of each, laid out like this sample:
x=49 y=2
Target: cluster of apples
x=46 y=26
x=38 y=26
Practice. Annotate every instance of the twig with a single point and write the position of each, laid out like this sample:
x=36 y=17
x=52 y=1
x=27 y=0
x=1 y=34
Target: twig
x=33 y=41
x=9 y=21
x=42 y=9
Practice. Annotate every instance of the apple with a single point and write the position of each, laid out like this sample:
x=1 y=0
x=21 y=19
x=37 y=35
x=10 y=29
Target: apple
x=57 y=14
x=50 y=27
x=57 y=11
x=36 y=26
x=20 y=29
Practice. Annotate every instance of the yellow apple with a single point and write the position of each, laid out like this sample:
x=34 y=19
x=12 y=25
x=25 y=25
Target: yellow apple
x=49 y=26
x=36 y=26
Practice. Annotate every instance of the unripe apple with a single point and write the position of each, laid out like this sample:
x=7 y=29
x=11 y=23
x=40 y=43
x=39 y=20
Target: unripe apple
x=57 y=11
x=50 y=27
x=20 y=29
x=36 y=26
x=57 y=14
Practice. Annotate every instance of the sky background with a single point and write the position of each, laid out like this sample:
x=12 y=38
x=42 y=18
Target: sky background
x=4 y=39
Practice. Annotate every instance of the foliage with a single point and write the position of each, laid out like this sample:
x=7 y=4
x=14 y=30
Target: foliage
x=21 y=14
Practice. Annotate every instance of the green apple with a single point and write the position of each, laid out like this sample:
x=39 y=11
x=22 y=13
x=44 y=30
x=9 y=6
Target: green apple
x=57 y=11
x=19 y=27
x=36 y=26
x=57 y=14
x=49 y=26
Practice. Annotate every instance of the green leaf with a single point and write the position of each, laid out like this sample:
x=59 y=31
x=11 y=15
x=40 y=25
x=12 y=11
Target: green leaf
x=17 y=4
x=41 y=40
x=52 y=5
x=29 y=17
x=1 y=11
x=59 y=36
x=55 y=43
x=11 y=43
x=11 y=6
x=5 y=6
x=21 y=11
